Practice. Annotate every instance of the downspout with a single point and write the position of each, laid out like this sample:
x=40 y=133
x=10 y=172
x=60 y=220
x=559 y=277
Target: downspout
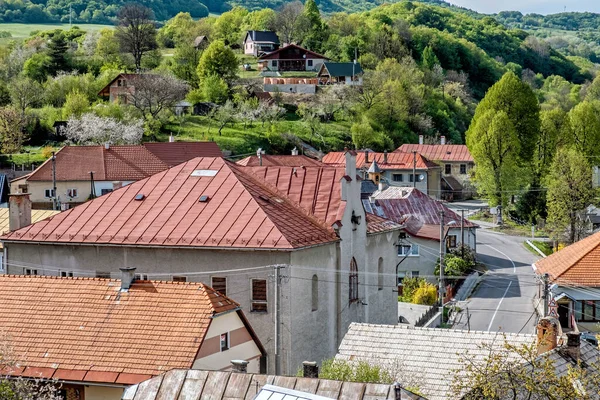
x=5 y=259
x=338 y=293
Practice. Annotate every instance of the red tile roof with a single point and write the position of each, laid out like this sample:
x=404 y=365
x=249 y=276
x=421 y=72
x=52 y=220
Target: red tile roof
x=87 y=329
x=239 y=212
x=417 y=211
x=439 y=152
x=283 y=161
x=577 y=264
x=120 y=163
x=394 y=160
x=290 y=52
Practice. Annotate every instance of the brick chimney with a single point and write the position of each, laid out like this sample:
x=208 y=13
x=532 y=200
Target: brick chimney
x=127 y=277
x=19 y=211
x=240 y=366
x=443 y=140
x=310 y=369
x=366 y=156
x=547 y=334
x=421 y=139
x=385 y=157
x=573 y=345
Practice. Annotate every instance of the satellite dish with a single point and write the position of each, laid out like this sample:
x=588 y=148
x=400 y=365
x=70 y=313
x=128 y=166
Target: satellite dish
x=421 y=178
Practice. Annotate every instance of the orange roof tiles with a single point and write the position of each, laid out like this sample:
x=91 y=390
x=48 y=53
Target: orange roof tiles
x=120 y=163
x=439 y=152
x=283 y=161
x=577 y=264
x=395 y=160
x=239 y=212
x=87 y=329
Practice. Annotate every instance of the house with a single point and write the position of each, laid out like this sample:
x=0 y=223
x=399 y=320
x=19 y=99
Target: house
x=257 y=43
x=397 y=169
x=235 y=227
x=237 y=385
x=349 y=73
x=97 y=336
x=291 y=58
x=120 y=88
x=574 y=275
x=84 y=172
x=420 y=216
x=201 y=42
x=456 y=162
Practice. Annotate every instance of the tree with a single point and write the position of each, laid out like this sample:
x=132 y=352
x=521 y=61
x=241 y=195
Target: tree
x=260 y=20
x=155 y=93
x=287 y=20
x=365 y=137
x=315 y=30
x=224 y=115
x=569 y=192
x=520 y=105
x=585 y=128
x=429 y=58
x=24 y=92
x=37 y=67
x=75 y=104
x=495 y=146
x=219 y=60
x=554 y=131
x=92 y=129
x=425 y=294
x=57 y=51
x=12 y=134
x=228 y=27
x=185 y=63
x=136 y=32
x=214 y=89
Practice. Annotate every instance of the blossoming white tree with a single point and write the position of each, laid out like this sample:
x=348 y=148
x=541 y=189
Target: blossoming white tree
x=92 y=129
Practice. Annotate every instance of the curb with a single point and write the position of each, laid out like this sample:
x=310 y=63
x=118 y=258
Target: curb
x=541 y=253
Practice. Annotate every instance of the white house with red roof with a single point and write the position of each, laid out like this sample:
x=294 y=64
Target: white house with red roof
x=291 y=58
x=212 y=220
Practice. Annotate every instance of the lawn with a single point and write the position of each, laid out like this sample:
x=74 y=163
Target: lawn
x=545 y=247
x=23 y=31
x=30 y=155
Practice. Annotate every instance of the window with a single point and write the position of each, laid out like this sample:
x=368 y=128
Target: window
x=49 y=193
x=410 y=250
x=398 y=177
x=411 y=177
x=29 y=271
x=141 y=277
x=587 y=310
x=225 y=341
x=309 y=63
x=100 y=274
x=380 y=274
x=119 y=82
x=463 y=169
x=353 y=281
x=259 y=296
x=315 y=292
x=23 y=188
x=72 y=193
x=448 y=169
x=179 y=278
x=105 y=191
x=274 y=63
x=219 y=284
x=401 y=276
x=415 y=274
x=66 y=274
x=451 y=241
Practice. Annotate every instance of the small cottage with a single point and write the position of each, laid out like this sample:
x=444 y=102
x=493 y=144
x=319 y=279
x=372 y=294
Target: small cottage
x=260 y=42
x=349 y=73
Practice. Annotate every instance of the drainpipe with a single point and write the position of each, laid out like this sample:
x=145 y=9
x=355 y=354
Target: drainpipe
x=338 y=292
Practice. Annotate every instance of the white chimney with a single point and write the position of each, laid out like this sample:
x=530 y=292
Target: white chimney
x=127 y=277
x=19 y=211
x=420 y=139
x=107 y=146
x=239 y=366
x=443 y=140
x=171 y=139
x=294 y=151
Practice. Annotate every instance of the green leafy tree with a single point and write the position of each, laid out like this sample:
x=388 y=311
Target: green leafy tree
x=585 y=128
x=315 y=30
x=429 y=58
x=178 y=30
x=12 y=134
x=219 y=60
x=569 y=192
x=228 y=27
x=57 y=51
x=213 y=89
x=363 y=137
x=37 y=67
x=554 y=131
x=495 y=146
x=24 y=93
x=520 y=106
x=75 y=105
x=185 y=63
x=425 y=294
x=260 y=20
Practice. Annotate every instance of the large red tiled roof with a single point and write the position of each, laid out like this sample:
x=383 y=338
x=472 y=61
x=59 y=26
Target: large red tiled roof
x=174 y=153
x=577 y=264
x=239 y=212
x=439 y=152
x=395 y=160
x=87 y=329
x=418 y=212
x=283 y=161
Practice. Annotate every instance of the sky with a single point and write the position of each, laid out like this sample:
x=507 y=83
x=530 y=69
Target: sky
x=529 y=6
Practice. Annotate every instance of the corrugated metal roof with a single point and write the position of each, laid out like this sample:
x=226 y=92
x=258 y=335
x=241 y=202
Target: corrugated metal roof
x=241 y=212
x=395 y=160
x=280 y=160
x=439 y=152
x=264 y=36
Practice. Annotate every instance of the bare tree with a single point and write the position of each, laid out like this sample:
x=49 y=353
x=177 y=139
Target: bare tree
x=286 y=22
x=24 y=92
x=154 y=93
x=92 y=129
x=12 y=134
x=136 y=32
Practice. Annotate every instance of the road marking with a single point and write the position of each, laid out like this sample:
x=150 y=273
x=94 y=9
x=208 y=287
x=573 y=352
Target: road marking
x=507 y=257
x=498 y=307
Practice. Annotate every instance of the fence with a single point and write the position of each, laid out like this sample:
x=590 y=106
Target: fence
x=426 y=316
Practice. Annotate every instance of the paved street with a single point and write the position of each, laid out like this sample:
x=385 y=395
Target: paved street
x=504 y=300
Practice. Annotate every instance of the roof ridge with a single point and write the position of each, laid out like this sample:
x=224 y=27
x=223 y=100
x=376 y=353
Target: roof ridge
x=35 y=171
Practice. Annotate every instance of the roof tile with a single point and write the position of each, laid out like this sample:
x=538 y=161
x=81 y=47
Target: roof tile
x=439 y=152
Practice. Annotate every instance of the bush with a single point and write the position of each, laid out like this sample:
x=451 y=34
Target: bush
x=360 y=371
x=425 y=294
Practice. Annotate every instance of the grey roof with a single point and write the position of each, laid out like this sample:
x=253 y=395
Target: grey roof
x=220 y=385
x=264 y=36
x=343 y=69
x=367 y=188
x=426 y=358
x=374 y=168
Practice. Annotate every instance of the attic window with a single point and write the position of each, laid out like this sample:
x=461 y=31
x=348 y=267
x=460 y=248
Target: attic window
x=203 y=199
x=139 y=197
x=204 y=172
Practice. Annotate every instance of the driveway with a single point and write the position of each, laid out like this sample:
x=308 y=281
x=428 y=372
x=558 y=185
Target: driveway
x=504 y=300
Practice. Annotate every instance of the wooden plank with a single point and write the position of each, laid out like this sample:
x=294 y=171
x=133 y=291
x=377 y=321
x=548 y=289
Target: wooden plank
x=351 y=391
x=171 y=384
x=147 y=390
x=215 y=385
x=193 y=385
x=307 y=385
x=329 y=389
x=238 y=386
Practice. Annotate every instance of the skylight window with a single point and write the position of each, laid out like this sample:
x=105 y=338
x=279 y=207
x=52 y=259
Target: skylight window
x=203 y=199
x=139 y=197
x=204 y=172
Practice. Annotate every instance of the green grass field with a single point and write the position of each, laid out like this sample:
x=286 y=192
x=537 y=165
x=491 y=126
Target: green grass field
x=23 y=31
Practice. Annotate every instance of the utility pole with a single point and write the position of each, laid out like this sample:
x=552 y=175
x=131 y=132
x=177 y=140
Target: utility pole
x=414 y=169
x=468 y=320
x=442 y=251
x=277 y=318
x=546 y=293
x=92 y=186
x=54 y=198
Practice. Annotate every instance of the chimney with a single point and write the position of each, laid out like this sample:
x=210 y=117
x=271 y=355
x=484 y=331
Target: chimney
x=397 y=391
x=385 y=157
x=107 y=146
x=240 y=366
x=259 y=154
x=19 y=211
x=442 y=139
x=294 y=151
x=171 y=138
x=382 y=186
x=420 y=139
x=547 y=334
x=310 y=369
x=366 y=156
x=127 y=277
x=573 y=344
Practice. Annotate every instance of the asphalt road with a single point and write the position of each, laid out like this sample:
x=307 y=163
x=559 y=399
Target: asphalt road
x=504 y=300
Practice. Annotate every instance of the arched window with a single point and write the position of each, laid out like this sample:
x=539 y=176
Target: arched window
x=353 y=281
x=315 y=292
x=380 y=274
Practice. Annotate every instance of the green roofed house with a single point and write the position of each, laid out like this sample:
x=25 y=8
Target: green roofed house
x=349 y=73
